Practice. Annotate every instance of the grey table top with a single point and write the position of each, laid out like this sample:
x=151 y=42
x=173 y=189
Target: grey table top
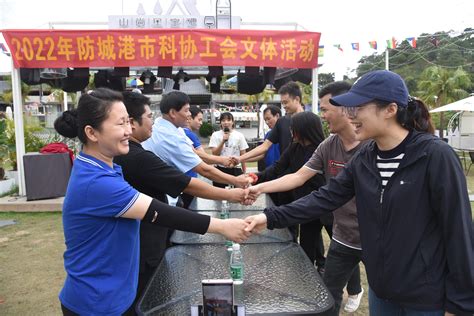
x=200 y=204
x=276 y=235
x=278 y=279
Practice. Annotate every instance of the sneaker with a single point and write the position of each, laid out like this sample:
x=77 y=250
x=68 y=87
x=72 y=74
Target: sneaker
x=353 y=302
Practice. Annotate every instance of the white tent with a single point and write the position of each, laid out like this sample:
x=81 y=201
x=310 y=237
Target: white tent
x=5 y=64
x=466 y=104
x=460 y=131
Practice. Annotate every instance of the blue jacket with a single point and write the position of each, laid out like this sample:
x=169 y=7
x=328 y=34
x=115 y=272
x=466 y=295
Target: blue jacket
x=416 y=235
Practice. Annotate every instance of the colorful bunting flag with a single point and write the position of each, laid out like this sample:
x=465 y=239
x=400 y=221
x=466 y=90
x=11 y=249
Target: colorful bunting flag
x=338 y=46
x=392 y=43
x=412 y=41
x=355 y=46
x=3 y=49
x=321 y=51
x=373 y=44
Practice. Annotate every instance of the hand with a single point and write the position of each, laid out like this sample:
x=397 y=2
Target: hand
x=242 y=181
x=237 y=195
x=254 y=191
x=225 y=137
x=254 y=177
x=234 y=229
x=248 y=199
x=226 y=161
x=256 y=223
x=235 y=160
x=448 y=314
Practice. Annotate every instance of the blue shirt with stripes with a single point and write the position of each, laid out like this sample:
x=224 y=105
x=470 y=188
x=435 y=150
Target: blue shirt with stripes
x=102 y=248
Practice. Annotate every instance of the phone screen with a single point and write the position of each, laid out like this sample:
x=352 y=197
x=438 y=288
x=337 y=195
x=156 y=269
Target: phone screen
x=217 y=297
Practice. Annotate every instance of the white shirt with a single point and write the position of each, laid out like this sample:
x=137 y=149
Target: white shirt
x=232 y=146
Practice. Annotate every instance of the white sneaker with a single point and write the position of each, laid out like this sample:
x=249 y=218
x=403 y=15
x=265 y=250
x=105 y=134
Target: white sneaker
x=353 y=302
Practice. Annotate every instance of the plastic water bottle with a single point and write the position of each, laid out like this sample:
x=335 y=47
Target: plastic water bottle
x=224 y=214
x=225 y=210
x=237 y=265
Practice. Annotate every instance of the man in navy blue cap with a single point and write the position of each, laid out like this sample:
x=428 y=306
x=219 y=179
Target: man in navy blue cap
x=412 y=202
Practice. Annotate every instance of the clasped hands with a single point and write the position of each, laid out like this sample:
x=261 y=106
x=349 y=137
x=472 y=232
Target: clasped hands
x=239 y=230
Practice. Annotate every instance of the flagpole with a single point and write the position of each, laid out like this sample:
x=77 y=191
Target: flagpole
x=386 y=59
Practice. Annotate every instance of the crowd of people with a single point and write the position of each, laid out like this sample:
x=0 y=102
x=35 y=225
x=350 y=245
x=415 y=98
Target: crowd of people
x=388 y=192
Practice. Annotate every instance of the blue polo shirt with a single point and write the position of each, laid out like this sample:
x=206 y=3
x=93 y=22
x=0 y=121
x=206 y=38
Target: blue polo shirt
x=171 y=145
x=102 y=249
x=196 y=144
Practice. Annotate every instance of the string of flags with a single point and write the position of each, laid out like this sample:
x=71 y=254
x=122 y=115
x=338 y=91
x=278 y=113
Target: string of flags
x=3 y=49
x=391 y=43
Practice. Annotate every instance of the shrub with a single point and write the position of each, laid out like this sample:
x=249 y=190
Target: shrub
x=206 y=130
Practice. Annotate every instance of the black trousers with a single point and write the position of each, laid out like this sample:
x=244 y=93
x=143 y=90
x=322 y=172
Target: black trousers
x=232 y=171
x=342 y=267
x=311 y=238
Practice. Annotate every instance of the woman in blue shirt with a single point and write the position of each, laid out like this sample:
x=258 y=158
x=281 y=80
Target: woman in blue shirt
x=102 y=212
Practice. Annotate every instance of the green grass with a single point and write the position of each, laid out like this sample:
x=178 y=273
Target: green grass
x=32 y=271
x=31 y=266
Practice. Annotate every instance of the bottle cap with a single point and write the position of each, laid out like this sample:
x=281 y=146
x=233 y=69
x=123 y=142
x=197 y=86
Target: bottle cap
x=236 y=246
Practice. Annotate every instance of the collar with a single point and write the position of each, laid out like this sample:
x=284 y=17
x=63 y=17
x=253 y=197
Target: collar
x=165 y=123
x=98 y=163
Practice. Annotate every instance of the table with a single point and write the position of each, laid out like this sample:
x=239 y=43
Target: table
x=276 y=235
x=200 y=204
x=278 y=279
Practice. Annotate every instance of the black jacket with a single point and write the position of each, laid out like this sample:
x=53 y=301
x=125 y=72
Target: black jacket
x=291 y=160
x=416 y=235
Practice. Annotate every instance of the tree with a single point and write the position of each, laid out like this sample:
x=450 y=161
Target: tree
x=8 y=94
x=439 y=86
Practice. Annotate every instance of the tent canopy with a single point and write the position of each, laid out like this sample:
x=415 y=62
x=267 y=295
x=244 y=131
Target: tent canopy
x=466 y=104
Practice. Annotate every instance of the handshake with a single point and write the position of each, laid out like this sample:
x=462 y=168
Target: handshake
x=239 y=230
x=248 y=193
x=229 y=161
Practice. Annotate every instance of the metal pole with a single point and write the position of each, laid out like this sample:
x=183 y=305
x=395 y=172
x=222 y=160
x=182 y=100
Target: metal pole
x=64 y=101
x=19 y=132
x=314 y=97
x=386 y=59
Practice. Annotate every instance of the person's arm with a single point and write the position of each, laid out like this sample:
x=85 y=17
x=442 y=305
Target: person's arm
x=256 y=152
x=216 y=143
x=258 y=158
x=328 y=198
x=204 y=190
x=218 y=149
x=153 y=211
x=286 y=183
x=244 y=166
x=279 y=168
x=450 y=201
x=211 y=159
x=216 y=175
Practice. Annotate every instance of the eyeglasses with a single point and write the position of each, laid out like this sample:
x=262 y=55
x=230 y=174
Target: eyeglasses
x=350 y=111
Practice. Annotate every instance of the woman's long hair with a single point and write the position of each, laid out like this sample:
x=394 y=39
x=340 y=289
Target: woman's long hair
x=306 y=126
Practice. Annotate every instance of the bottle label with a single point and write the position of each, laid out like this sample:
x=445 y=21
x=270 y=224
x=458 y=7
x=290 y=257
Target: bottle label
x=224 y=215
x=236 y=272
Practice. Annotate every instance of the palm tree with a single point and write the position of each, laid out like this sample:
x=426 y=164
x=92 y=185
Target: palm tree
x=443 y=86
x=8 y=94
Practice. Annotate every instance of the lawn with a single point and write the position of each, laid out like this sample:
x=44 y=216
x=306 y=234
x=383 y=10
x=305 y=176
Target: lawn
x=32 y=270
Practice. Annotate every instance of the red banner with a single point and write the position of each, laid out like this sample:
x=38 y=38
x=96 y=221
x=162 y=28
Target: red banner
x=162 y=47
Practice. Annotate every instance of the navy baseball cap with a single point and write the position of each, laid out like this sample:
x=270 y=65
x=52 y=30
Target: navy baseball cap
x=381 y=85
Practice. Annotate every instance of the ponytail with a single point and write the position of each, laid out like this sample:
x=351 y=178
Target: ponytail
x=415 y=116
